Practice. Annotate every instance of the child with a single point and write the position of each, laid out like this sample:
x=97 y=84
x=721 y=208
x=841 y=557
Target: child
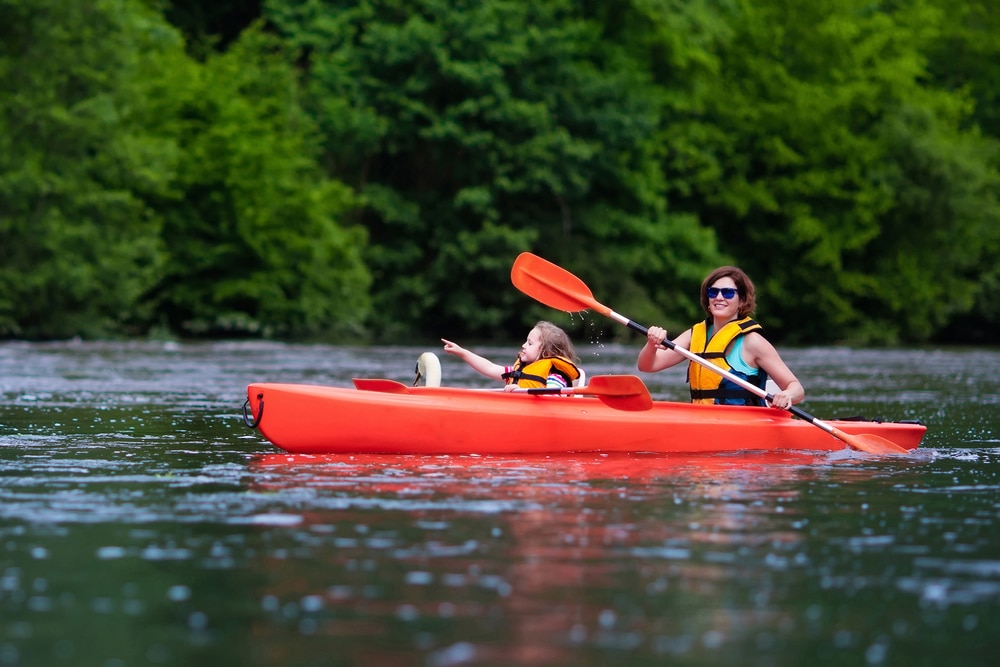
x=547 y=359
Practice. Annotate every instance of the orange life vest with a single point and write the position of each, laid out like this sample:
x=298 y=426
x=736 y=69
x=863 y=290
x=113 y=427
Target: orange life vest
x=536 y=374
x=707 y=386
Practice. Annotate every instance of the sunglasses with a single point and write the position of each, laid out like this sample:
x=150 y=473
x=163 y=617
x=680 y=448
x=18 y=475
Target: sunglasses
x=726 y=292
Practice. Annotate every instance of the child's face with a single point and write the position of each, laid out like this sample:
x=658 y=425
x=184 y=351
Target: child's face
x=532 y=347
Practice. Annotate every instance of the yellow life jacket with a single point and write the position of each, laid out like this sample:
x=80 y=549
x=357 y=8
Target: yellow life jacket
x=536 y=373
x=707 y=386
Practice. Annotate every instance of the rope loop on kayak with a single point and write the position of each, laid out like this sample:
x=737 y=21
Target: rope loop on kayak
x=248 y=418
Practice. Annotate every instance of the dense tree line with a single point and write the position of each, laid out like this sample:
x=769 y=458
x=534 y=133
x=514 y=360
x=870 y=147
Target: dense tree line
x=339 y=169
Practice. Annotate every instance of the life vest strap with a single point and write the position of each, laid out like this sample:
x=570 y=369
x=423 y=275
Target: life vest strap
x=516 y=376
x=723 y=394
x=701 y=394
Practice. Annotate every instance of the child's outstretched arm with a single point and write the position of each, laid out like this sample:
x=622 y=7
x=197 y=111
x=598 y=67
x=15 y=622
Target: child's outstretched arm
x=481 y=365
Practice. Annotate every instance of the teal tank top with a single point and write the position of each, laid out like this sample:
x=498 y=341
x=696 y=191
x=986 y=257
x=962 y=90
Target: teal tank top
x=735 y=358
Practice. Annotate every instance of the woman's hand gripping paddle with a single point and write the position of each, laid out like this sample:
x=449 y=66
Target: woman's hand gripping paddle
x=557 y=288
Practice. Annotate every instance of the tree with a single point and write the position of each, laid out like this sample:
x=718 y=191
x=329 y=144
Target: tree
x=139 y=187
x=79 y=241
x=965 y=58
x=254 y=242
x=476 y=130
x=833 y=170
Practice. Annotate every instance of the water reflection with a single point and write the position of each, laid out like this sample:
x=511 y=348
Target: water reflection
x=711 y=549
x=544 y=547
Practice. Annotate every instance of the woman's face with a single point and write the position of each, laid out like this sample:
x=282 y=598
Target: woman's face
x=532 y=347
x=721 y=307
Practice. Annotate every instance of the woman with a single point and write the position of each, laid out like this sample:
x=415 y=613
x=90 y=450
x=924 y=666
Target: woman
x=731 y=340
x=547 y=359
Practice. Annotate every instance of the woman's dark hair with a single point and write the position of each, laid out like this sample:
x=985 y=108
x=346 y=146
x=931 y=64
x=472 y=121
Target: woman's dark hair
x=747 y=292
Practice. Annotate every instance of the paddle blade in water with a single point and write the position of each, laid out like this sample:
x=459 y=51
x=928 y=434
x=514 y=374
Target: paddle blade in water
x=551 y=284
x=871 y=444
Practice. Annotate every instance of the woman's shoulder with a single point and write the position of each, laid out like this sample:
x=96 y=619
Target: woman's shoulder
x=755 y=342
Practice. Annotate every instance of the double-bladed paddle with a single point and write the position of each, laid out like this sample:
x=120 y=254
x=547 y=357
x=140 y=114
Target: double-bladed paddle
x=557 y=288
x=624 y=392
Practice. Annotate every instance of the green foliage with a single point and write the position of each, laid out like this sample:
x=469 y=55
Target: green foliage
x=929 y=267
x=212 y=24
x=253 y=242
x=477 y=130
x=141 y=188
x=964 y=58
x=834 y=174
x=79 y=241
x=380 y=163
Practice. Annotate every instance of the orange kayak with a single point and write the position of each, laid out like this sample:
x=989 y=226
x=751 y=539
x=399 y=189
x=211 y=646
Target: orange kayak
x=391 y=418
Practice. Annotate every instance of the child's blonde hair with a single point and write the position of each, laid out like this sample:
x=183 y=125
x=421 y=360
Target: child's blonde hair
x=555 y=342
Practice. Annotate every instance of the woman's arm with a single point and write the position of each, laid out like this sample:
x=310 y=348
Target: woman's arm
x=763 y=355
x=653 y=357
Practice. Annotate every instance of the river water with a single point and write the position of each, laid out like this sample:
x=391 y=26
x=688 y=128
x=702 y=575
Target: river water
x=141 y=523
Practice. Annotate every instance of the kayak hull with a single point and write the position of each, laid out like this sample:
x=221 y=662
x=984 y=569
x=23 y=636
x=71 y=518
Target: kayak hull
x=308 y=419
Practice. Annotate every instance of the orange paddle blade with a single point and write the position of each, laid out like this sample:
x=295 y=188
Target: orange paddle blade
x=552 y=285
x=625 y=392
x=614 y=385
x=871 y=444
